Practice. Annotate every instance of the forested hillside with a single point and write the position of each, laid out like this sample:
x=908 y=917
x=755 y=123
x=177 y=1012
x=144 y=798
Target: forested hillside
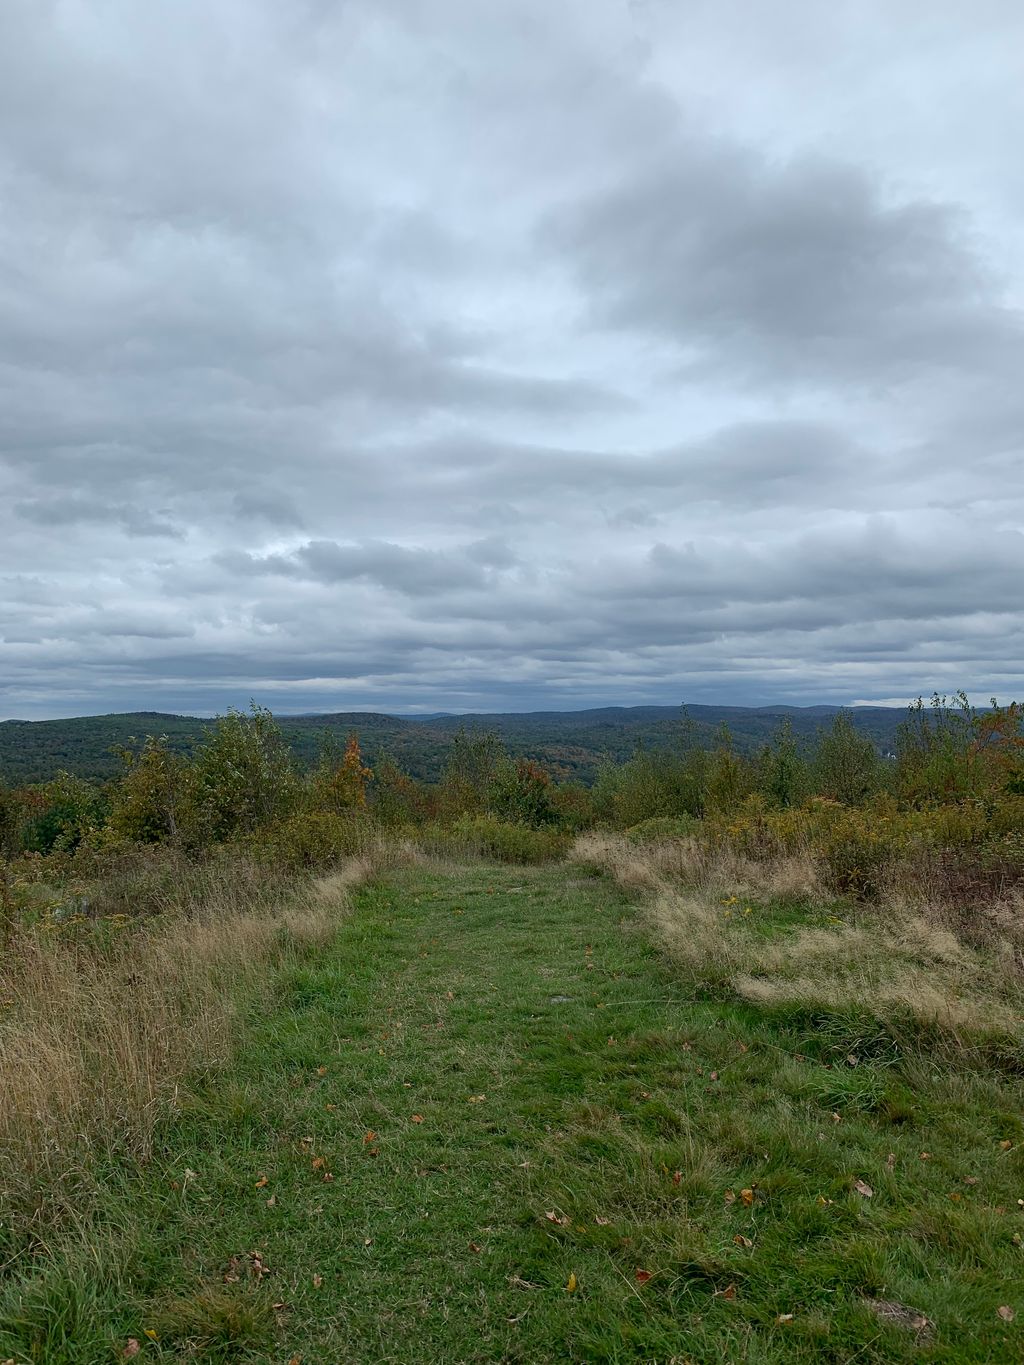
x=570 y=743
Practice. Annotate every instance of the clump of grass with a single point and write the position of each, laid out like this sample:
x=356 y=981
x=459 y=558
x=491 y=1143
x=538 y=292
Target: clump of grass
x=770 y=933
x=104 y=1018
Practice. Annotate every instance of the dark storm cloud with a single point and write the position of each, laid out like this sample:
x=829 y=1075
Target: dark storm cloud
x=509 y=355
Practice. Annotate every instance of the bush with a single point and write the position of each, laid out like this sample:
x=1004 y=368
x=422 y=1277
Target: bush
x=661 y=828
x=483 y=836
x=312 y=840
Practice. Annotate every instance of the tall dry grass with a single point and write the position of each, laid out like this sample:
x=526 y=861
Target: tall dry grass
x=901 y=960
x=96 y=1037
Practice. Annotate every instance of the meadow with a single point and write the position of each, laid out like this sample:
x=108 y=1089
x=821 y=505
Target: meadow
x=716 y=1059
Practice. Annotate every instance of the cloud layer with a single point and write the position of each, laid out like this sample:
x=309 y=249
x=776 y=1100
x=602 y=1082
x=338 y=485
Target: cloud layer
x=519 y=355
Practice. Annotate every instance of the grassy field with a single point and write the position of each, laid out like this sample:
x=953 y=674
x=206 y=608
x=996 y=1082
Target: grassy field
x=492 y=1119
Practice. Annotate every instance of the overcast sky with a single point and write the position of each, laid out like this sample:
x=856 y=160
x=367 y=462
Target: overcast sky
x=419 y=355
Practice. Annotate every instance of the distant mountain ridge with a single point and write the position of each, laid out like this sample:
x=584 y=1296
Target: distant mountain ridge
x=570 y=743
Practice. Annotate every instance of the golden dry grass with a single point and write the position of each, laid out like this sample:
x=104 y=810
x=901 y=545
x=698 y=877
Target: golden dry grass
x=899 y=960
x=95 y=1039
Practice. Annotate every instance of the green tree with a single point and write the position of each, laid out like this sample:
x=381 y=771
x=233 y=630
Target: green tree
x=245 y=775
x=846 y=767
x=155 y=800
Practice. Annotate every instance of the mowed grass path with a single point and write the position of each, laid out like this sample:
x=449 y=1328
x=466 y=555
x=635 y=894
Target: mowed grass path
x=491 y=1125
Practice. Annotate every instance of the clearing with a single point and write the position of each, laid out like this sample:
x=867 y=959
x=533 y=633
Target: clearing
x=492 y=1123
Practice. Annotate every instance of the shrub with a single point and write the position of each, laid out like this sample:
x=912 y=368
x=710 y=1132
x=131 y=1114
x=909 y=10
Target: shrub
x=663 y=827
x=521 y=793
x=846 y=765
x=312 y=840
x=155 y=801
x=245 y=775
x=484 y=836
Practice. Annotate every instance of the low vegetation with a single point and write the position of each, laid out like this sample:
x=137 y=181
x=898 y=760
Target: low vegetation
x=718 y=1059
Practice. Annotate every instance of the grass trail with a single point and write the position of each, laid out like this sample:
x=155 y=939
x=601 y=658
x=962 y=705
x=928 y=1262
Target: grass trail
x=489 y=1125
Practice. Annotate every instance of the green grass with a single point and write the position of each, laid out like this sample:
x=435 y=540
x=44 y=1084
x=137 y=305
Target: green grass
x=563 y=1141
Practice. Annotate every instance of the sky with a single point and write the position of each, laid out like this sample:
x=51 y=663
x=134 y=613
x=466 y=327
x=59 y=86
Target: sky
x=431 y=355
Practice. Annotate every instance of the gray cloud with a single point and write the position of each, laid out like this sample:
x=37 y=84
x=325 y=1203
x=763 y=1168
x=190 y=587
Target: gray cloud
x=514 y=355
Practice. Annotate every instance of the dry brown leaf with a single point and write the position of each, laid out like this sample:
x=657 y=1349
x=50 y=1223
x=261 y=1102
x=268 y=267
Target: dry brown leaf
x=785 y=1317
x=603 y=1222
x=729 y=1292
x=862 y=1187
x=970 y=1180
x=321 y=1071
x=475 y=1248
x=1005 y=1145
x=890 y=1161
x=1006 y=1312
x=642 y=1276
x=318 y=1163
x=329 y=1175
x=562 y=1220
x=747 y=1197
x=676 y=1177
x=477 y=1099
x=272 y=1201
x=730 y=1197
x=368 y=1137
x=417 y=1118
x=132 y=1348
x=317 y=1281
x=925 y=1156
x=262 y=1183
x=295 y=1360
x=742 y=1241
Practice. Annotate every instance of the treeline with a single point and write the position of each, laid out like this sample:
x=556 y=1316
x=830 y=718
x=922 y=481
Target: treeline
x=956 y=779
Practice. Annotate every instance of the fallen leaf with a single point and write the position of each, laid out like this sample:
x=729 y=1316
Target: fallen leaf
x=295 y=1360
x=603 y=1222
x=317 y=1281
x=836 y=1117
x=417 y=1118
x=642 y=1276
x=714 y=1076
x=152 y=1334
x=925 y=1156
x=862 y=1187
x=1005 y=1145
x=272 y=1201
x=1006 y=1312
x=676 y=1177
x=262 y=1183
x=823 y=1203
x=730 y=1197
x=330 y=1108
x=329 y=1175
x=132 y=1348
x=728 y=1293
x=553 y=1217
x=477 y=1099
x=784 y=1317
x=747 y=1196
x=852 y=1060
x=318 y=1163
x=368 y=1137
x=571 y=1283
x=970 y=1180
x=742 y=1241
x=368 y=1242
x=476 y=1248
x=890 y=1161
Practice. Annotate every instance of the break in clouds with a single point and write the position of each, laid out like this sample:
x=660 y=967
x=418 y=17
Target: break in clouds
x=457 y=356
